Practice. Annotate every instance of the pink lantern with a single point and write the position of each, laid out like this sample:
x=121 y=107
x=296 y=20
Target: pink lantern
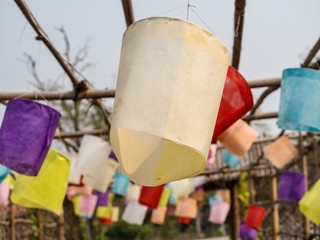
x=88 y=204
x=219 y=212
x=238 y=138
x=4 y=194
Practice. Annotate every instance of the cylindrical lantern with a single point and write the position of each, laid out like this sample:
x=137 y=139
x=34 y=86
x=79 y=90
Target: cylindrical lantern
x=212 y=199
x=88 y=204
x=184 y=220
x=254 y=217
x=157 y=125
x=134 y=213
x=186 y=207
x=224 y=194
x=164 y=199
x=219 y=212
x=120 y=184
x=299 y=99
x=280 y=152
x=158 y=215
x=94 y=163
x=26 y=134
x=181 y=188
x=231 y=160
x=48 y=189
x=247 y=232
x=103 y=198
x=309 y=204
x=211 y=156
x=4 y=194
x=115 y=214
x=150 y=196
x=236 y=101
x=292 y=186
x=238 y=138
x=133 y=192
x=4 y=171
x=104 y=212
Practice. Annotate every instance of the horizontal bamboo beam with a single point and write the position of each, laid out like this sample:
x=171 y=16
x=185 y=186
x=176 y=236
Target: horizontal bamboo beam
x=261 y=116
x=97 y=132
x=56 y=95
x=265 y=83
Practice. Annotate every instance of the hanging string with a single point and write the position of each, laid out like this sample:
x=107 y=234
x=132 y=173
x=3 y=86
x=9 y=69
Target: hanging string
x=171 y=10
x=188 y=7
x=22 y=33
x=191 y=7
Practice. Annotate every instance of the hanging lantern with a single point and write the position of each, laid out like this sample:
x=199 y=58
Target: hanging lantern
x=103 y=198
x=212 y=199
x=115 y=214
x=26 y=134
x=238 y=138
x=4 y=171
x=181 y=188
x=4 y=194
x=134 y=213
x=219 y=212
x=292 y=186
x=184 y=220
x=211 y=156
x=88 y=204
x=186 y=207
x=236 y=101
x=133 y=192
x=75 y=176
x=94 y=163
x=164 y=199
x=158 y=215
x=106 y=221
x=76 y=207
x=309 y=204
x=280 y=152
x=159 y=132
x=246 y=232
x=104 y=212
x=120 y=184
x=298 y=100
x=254 y=217
x=48 y=188
x=150 y=196
x=77 y=190
x=231 y=160
x=224 y=194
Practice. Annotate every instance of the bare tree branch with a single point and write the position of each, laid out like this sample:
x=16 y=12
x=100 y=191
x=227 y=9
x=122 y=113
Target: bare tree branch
x=66 y=41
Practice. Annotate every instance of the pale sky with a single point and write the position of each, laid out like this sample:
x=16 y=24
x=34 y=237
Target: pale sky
x=278 y=34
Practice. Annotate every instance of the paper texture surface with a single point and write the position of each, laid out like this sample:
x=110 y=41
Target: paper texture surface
x=170 y=82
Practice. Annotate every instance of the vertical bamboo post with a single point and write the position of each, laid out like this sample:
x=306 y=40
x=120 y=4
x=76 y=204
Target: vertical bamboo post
x=61 y=226
x=275 y=208
x=12 y=223
x=235 y=212
x=305 y=172
x=40 y=224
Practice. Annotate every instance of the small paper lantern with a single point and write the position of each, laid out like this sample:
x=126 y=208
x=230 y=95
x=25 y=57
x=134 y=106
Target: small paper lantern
x=26 y=134
x=254 y=217
x=224 y=194
x=134 y=213
x=172 y=200
x=198 y=195
x=106 y=221
x=198 y=181
x=133 y=192
x=4 y=194
x=184 y=220
x=186 y=207
x=120 y=184
x=104 y=212
x=211 y=156
x=75 y=174
x=158 y=215
x=292 y=186
x=103 y=198
x=231 y=160
x=309 y=204
x=219 y=212
x=88 y=204
x=94 y=163
x=150 y=196
x=246 y=232
x=181 y=188
x=299 y=100
x=152 y=138
x=115 y=214
x=280 y=152
x=164 y=199
x=212 y=199
x=238 y=138
x=236 y=101
x=4 y=171
x=47 y=190
x=76 y=207
x=77 y=190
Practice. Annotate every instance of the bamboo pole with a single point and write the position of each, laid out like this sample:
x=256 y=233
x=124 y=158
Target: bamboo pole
x=40 y=224
x=235 y=212
x=275 y=208
x=12 y=223
x=305 y=172
x=61 y=226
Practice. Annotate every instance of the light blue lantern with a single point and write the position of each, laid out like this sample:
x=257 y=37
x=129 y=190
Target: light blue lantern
x=213 y=199
x=4 y=171
x=231 y=160
x=299 y=100
x=120 y=184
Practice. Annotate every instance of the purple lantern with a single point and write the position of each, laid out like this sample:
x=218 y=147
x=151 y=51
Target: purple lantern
x=247 y=232
x=292 y=186
x=26 y=134
x=103 y=198
x=113 y=156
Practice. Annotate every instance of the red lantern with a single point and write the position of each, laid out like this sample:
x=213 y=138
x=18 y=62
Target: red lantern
x=254 y=217
x=150 y=196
